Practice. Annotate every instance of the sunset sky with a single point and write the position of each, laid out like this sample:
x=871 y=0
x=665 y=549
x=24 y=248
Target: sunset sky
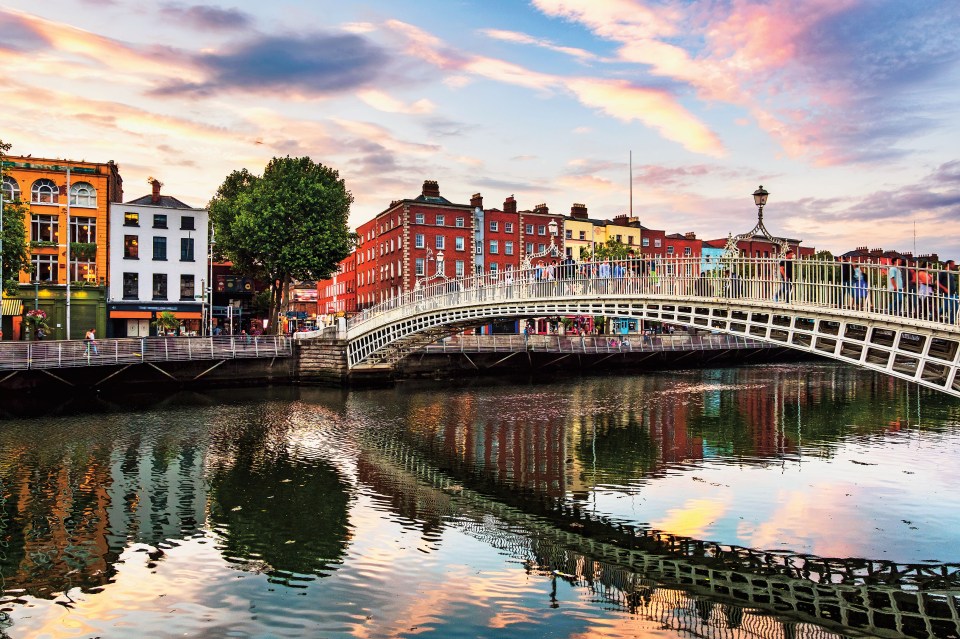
x=847 y=111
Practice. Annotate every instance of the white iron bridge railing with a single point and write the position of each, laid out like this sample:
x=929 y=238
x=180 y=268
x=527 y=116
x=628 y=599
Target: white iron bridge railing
x=593 y=344
x=138 y=350
x=917 y=295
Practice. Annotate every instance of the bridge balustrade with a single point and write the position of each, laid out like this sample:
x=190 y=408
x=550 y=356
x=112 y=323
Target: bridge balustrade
x=930 y=295
x=136 y=350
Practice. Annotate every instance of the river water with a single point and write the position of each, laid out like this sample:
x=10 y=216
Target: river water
x=801 y=500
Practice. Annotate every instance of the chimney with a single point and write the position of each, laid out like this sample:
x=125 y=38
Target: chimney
x=510 y=205
x=542 y=209
x=431 y=188
x=621 y=220
x=155 y=197
x=476 y=201
x=690 y=235
x=578 y=211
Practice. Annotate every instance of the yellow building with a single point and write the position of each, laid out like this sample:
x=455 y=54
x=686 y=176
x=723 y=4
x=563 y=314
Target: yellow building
x=582 y=235
x=68 y=205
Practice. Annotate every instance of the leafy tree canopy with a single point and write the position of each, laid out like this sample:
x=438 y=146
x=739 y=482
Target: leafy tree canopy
x=16 y=256
x=289 y=223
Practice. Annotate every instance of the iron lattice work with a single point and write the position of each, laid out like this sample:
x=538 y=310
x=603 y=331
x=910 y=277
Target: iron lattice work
x=912 y=334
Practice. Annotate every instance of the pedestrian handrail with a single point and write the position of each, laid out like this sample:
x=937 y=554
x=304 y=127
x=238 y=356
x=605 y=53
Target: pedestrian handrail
x=507 y=343
x=138 y=350
x=911 y=294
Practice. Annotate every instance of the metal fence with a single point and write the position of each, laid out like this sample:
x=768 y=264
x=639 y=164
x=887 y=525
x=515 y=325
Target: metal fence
x=137 y=350
x=592 y=344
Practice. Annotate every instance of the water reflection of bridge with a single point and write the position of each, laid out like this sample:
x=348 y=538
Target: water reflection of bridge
x=629 y=565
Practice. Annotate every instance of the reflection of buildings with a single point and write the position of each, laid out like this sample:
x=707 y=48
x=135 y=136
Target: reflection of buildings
x=69 y=513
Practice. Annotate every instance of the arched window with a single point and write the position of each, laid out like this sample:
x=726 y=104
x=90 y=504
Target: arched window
x=44 y=191
x=11 y=190
x=83 y=194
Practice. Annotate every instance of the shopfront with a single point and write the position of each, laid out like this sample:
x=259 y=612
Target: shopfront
x=137 y=320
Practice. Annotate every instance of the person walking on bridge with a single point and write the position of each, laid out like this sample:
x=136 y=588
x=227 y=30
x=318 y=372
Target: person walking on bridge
x=786 y=278
x=91 y=342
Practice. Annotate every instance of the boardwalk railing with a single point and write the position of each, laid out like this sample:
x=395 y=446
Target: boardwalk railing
x=592 y=344
x=137 y=350
x=917 y=294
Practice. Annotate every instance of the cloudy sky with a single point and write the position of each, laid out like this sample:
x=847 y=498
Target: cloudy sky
x=847 y=111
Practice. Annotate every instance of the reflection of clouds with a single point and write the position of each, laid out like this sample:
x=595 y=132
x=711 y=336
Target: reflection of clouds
x=693 y=519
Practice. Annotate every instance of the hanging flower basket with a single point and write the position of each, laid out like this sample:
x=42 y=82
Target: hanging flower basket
x=36 y=316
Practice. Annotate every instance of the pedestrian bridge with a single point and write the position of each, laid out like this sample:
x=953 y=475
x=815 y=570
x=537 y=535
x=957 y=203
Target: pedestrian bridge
x=822 y=307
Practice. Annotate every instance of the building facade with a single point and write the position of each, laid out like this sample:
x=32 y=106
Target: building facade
x=158 y=262
x=67 y=231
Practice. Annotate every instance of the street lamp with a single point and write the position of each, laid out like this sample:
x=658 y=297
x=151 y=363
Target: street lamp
x=440 y=269
x=760 y=199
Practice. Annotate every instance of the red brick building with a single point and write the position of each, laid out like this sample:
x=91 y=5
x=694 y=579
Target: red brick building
x=338 y=295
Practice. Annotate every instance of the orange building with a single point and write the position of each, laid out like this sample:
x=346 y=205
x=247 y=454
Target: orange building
x=68 y=205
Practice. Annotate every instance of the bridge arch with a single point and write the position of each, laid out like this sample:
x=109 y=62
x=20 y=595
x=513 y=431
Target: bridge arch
x=924 y=350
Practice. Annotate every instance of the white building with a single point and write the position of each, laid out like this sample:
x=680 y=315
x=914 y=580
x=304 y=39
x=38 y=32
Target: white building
x=158 y=262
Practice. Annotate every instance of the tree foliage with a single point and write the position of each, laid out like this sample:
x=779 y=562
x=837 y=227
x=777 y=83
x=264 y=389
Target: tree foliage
x=16 y=256
x=289 y=223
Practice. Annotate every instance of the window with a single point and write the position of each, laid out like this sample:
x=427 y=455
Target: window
x=479 y=248
x=418 y=240
x=645 y=241
x=159 y=221
x=529 y=229
x=583 y=235
x=83 y=194
x=441 y=242
x=493 y=268
x=440 y=220
x=186 y=287
x=186 y=223
x=159 y=286
x=83 y=271
x=529 y=248
x=508 y=248
x=45 y=268
x=419 y=268
x=131 y=247
x=541 y=230
x=458 y=268
x=11 y=190
x=687 y=251
x=508 y=227
x=541 y=247
x=131 y=286
x=44 y=191
x=83 y=229
x=459 y=222
x=160 y=248
x=418 y=218
x=656 y=242
x=131 y=219
x=630 y=239
x=494 y=226
x=494 y=247
x=459 y=243
x=670 y=250
x=186 y=249
x=44 y=228
x=568 y=234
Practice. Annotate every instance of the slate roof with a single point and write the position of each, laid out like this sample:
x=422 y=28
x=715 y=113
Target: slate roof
x=166 y=201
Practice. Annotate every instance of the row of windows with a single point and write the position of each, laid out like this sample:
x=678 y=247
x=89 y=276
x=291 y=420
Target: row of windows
x=46 y=268
x=46 y=228
x=187 y=222
x=131 y=286
x=439 y=220
x=420 y=267
x=131 y=248
x=44 y=191
x=507 y=226
x=440 y=242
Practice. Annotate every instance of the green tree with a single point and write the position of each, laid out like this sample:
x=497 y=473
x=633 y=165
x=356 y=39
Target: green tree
x=290 y=223
x=166 y=321
x=13 y=243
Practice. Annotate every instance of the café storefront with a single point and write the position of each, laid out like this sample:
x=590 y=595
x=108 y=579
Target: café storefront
x=137 y=320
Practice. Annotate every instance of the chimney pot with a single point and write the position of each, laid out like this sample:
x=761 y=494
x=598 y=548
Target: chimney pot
x=155 y=197
x=476 y=201
x=431 y=188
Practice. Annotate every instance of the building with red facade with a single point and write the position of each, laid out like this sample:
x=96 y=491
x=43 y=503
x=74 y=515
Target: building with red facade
x=338 y=295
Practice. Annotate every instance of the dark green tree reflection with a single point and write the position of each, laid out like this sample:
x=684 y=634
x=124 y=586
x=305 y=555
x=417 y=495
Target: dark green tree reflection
x=282 y=516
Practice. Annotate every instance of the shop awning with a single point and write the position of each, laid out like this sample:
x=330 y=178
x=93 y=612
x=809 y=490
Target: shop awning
x=185 y=315
x=130 y=314
x=12 y=307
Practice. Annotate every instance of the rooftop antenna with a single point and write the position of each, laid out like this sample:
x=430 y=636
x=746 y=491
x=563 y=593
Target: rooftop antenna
x=631 y=185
